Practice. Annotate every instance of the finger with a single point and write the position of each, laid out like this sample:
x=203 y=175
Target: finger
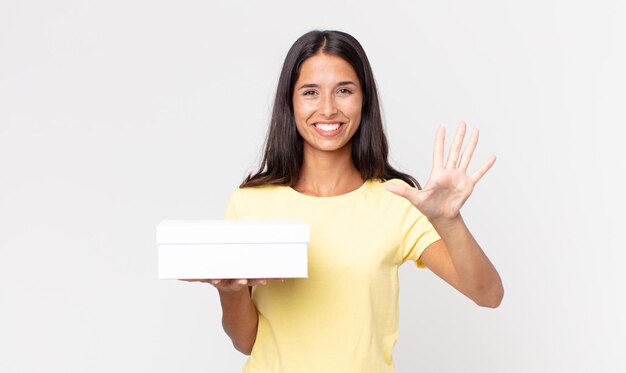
x=230 y=284
x=401 y=190
x=440 y=137
x=482 y=170
x=455 y=148
x=467 y=154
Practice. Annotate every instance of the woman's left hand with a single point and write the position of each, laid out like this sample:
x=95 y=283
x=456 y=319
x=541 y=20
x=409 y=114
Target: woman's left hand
x=448 y=185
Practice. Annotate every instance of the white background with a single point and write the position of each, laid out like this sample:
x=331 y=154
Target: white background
x=115 y=115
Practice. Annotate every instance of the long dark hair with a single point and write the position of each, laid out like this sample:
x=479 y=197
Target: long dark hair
x=283 y=154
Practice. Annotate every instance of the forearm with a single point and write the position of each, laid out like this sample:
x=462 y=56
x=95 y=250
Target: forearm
x=477 y=275
x=239 y=318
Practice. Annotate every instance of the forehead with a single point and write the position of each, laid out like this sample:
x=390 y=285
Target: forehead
x=324 y=68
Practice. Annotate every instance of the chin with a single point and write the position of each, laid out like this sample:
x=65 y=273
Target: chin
x=330 y=148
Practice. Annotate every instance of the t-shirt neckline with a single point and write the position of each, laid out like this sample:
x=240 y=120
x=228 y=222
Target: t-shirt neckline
x=328 y=198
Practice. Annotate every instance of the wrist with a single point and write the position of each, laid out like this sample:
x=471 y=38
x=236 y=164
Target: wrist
x=444 y=224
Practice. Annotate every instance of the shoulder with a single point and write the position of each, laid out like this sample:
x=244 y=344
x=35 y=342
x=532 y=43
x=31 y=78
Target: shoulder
x=377 y=186
x=256 y=195
x=378 y=183
x=395 y=181
x=391 y=200
x=257 y=190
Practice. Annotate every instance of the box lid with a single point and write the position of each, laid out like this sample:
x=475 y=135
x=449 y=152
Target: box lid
x=231 y=231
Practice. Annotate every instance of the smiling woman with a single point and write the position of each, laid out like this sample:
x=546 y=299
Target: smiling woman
x=327 y=109
x=327 y=103
x=318 y=63
x=325 y=163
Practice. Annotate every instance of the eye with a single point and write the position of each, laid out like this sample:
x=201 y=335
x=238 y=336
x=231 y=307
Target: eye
x=309 y=92
x=344 y=91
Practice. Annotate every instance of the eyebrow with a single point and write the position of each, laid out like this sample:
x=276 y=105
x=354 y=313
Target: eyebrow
x=313 y=85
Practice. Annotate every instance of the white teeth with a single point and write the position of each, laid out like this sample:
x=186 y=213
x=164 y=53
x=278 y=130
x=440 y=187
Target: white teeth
x=327 y=127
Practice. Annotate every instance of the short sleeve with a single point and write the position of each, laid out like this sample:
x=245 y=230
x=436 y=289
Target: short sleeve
x=231 y=210
x=418 y=233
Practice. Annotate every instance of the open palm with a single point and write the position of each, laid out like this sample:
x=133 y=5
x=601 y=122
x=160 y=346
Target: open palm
x=448 y=185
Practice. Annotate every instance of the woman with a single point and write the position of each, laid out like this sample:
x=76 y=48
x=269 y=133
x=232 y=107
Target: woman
x=325 y=163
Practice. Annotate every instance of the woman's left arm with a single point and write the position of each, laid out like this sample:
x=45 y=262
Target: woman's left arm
x=456 y=258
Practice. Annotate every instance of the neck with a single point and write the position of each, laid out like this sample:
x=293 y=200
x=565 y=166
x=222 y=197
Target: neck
x=325 y=174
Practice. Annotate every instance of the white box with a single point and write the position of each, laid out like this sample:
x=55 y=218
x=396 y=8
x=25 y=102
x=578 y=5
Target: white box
x=232 y=249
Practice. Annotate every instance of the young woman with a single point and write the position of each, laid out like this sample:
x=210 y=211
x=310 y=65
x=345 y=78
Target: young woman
x=325 y=164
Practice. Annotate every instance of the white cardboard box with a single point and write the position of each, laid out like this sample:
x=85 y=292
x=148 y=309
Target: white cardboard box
x=232 y=249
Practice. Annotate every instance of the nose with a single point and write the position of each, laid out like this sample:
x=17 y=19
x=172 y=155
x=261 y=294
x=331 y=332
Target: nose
x=328 y=107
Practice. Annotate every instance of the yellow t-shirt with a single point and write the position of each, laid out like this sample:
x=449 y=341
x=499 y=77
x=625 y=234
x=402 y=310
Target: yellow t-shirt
x=344 y=316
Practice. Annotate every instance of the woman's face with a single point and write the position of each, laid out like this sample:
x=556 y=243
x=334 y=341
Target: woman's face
x=327 y=103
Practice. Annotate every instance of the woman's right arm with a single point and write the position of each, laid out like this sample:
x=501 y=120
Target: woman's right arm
x=239 y=315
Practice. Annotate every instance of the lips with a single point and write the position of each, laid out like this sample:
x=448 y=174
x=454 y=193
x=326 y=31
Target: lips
x=328 y=129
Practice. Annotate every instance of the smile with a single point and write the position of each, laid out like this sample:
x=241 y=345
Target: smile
x=327 y=127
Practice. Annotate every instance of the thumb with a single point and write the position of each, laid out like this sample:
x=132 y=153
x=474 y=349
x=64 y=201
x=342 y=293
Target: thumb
x=398 y=189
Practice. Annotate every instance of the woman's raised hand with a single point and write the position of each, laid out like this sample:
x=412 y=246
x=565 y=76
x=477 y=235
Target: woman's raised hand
x=448 y=185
